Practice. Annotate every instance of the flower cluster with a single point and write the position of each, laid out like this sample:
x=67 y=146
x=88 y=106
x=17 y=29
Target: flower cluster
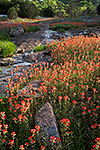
x=74 y=24
x=97 y=145
x=66 y=123
x=6 y=27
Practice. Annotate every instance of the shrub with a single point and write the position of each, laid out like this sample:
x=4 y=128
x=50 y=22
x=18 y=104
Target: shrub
x=32 y=28
x=28 y=10
x=72 y=25
x=67 y=26
x=57 y=27
x=12 y=13
x=4 y=37
x=61 y=30
x=4 y=6
x=40 y=48
x=7 y=48
x=47 y=12
x=61 y=26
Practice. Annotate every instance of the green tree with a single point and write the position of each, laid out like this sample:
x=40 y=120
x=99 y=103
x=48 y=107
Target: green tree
x=12 y=13
x=15 y=2
x=73 y=8
x=4 y=6
x=55 y=5
x=47 y=12
x=88 y=7
x=28 y=10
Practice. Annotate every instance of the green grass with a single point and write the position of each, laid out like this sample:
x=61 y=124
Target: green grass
x=31 y=28
x=61 y=30
x=40 y=48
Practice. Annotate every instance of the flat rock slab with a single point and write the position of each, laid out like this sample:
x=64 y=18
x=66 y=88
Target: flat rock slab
x=45 y=118
x=17 y=31
x=7 y=61
x=43 y=56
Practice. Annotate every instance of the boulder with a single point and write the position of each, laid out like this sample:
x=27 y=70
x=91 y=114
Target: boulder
x=38 y=56
x=27 y=46
x=17 y=31
x=45 y=118
x=7 y=61
x=90 y=33
x=30 y=58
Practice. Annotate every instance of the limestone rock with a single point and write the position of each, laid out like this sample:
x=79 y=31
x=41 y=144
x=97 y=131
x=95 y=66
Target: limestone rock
x=7 y=61
x=30 y=58
x=17 y=31
x=39 y=56
x=91 y=34
x=45 y=118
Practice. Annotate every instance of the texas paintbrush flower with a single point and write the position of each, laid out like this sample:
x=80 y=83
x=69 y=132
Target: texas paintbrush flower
x=21 y=147
x=6 y=27
x=97 y=145
x=52 y=139
x=73 y=24
x=33 y=131
x=2 y=115
x=72 y=82
x=11 y=143
x=65 y=122
x=37 y=129
x=43 y=147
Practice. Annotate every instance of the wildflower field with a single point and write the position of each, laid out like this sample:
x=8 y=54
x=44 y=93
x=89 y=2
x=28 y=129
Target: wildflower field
x=71 y=84
x=6 y=27
x=65 y=25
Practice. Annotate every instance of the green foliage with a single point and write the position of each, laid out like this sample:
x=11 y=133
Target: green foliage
x=55 y=6
x=28 y=10
x=15 y=2
x=77 y=8
x=47 y=12
x=60 y=27
x=7 y=48
x=31 y=8
x=87 y=8
x=4 y=6
x=61 y=30
x=57 y=27
x=30 y=28
x=40 y=48
x=12 y=13
x=4 y=37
